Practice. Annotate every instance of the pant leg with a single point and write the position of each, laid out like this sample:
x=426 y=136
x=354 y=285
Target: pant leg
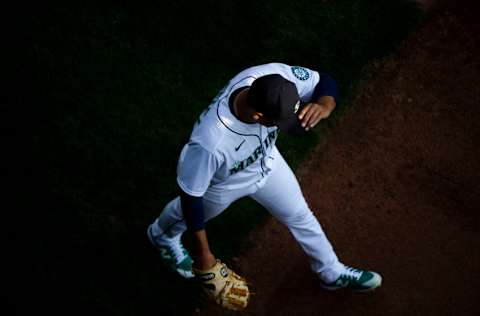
x=282 y=197
x=170 y=224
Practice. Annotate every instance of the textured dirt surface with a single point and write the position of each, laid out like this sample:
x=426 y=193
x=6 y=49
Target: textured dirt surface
x=396 y=187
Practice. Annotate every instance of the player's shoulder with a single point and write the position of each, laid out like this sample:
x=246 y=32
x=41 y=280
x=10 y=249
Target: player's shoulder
x=208 y=132
x=289 y=72
x=263 y=70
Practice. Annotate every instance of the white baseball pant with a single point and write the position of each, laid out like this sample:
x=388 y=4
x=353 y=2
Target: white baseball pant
x=281 y=195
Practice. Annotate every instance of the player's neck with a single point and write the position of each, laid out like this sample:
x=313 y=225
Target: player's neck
x=242 y=110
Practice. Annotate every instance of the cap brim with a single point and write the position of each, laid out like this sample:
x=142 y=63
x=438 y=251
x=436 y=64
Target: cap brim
x=291 y=125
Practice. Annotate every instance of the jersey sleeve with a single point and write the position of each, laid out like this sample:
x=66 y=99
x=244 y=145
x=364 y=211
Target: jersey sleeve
x=305 y=80
x=326 y=86
x=195 y=169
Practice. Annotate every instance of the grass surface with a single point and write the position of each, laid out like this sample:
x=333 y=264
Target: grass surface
x=120 y=88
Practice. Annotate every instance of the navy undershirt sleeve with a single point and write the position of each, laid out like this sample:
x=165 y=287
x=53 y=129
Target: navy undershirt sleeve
x=193 y=214
x=326 y=86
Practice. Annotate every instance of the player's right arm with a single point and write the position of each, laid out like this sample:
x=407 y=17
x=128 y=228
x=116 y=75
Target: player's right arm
x=195 y=170
x=322 y=100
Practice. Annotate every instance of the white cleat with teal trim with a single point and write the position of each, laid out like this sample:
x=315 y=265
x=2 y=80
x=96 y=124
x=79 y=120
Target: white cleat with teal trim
x=355 y=279
x=174 y=256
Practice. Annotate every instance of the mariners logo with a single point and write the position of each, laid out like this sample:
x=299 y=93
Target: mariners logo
x=268 y=141
x=301 y=73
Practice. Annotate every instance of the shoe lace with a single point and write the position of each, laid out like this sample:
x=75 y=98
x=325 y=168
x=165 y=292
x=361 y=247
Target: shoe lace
x=352 y=273
x=178 y=252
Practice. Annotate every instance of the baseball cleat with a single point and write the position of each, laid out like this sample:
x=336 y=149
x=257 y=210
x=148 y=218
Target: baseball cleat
x=174 y=256
x=355 y=279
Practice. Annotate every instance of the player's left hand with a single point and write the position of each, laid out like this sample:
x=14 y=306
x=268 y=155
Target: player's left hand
x=224 y=286
x=313 y=112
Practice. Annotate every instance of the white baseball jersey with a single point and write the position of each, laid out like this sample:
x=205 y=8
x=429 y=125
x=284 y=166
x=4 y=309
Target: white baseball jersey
x=225 y=153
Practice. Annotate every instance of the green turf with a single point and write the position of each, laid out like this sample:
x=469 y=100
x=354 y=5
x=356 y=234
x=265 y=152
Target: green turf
x=120 y=88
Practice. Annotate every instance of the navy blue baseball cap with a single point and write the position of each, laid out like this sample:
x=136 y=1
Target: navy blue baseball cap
x=278 y=100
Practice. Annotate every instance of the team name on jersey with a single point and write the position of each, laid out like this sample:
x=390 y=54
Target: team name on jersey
x=240 y=165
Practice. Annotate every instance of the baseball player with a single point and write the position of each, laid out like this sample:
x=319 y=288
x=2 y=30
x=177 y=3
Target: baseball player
x=232 y=154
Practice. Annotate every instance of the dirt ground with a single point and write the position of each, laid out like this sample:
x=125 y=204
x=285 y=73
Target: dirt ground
x=396 y=187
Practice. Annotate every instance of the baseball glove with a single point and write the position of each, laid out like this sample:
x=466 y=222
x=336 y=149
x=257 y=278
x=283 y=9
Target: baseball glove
x=224 y=286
